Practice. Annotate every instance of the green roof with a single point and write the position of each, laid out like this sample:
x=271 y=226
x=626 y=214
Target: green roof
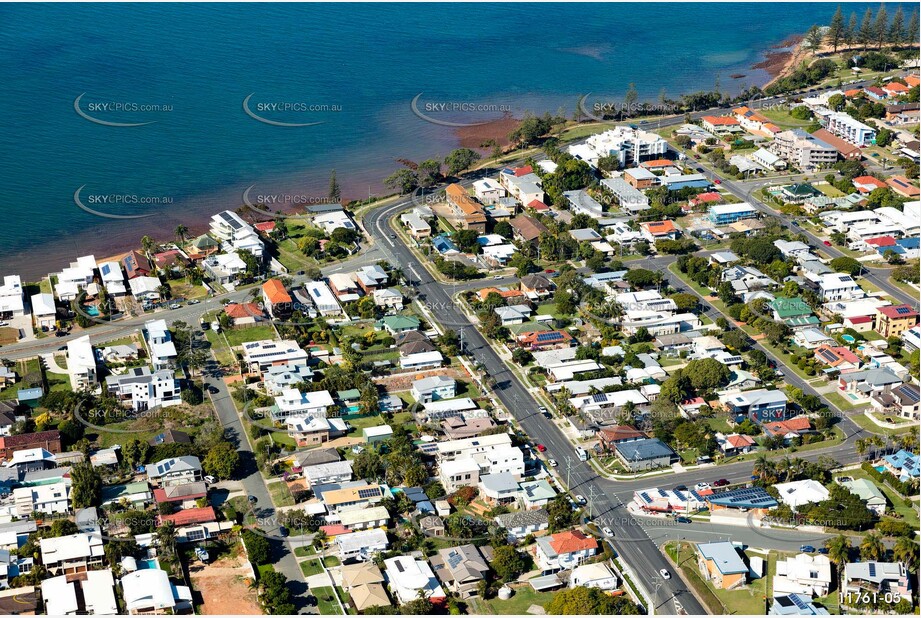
x=527 y=327
x=790 y=307
x=400 y=322
x=204 y=242
x=801 y=189
x=352 y=393
x=803 y=320
x=116 y=492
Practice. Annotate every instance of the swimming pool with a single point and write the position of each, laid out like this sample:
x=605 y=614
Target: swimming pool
x=92 y=310
x=848 y=338
x=148 y=563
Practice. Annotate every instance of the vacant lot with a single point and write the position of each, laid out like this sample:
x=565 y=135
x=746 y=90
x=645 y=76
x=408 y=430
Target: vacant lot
x=224 y=588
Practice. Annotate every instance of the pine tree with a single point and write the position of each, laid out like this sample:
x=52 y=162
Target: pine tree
x=897 y=29
x=813 y=38
x=836 y=29
x=881 y=26
x=865 y=33
x=911 y=33
x=850 y=33
x=335 y=193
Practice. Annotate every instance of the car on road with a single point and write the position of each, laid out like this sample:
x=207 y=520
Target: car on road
x=680 y=488
x=607 y=531
x=252 y=499
x=683 y=520
x=665 y=574
x=213 y=390
x=393 y=236
x=282 y=531
x=540 y=448
x=702 y=486
x=194 y=301
x=581 y=500
x=717 y=181
x=210 y=480
x=808 y=549
x=498 y=276
x=826 y=243
x=796 y=223
x=175 y=305
x=823 y=550
x=542 y=408
x=721 y=483
x=552 y=463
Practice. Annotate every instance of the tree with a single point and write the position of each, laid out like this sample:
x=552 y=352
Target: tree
x=850 y=33
x=560 y=514
x=706 y=374
x=685 y=302
x=531 y=129
x=839 y=550
x=677 y=387
x=590 y=601
x=181 y=232
x=368 y=465
x=736 y=339
x=429 y=172
x=630 y=99
x=642 y=278
x=813 y=39
x=335 y=191
x=274 y=594
x=460 y=159
x=872 y=548
x=906 y=550
x=508 y=563
x=257 y=547
x=86 y=486
x=836 y=29
x=911 y=32
x=881 y=26
x=404 y=180
x=222 y=460
x=847 y=265
x=865 y=32
x=896 y=34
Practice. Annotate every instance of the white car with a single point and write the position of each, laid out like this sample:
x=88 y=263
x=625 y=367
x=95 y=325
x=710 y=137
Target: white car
x=210 y=480
x=581 y=500
x=702 y=486
x=607 y=531
x=552 y=463
x=665 y=574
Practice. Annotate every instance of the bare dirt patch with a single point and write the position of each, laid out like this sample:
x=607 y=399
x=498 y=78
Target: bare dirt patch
x=224 y=586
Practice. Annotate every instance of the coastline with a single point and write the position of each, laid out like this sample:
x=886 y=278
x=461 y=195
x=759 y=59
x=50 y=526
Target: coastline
x=50 y=254
x=780 y=60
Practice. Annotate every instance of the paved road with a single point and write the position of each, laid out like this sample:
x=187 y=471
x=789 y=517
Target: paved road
x=254 y=485
x=640 y=554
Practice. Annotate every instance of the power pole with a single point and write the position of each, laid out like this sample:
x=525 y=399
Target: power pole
x=568 y=472
x=591 y=501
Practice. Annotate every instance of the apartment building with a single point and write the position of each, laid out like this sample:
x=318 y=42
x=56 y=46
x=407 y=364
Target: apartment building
x=259 y=356
x=235 y=233
x=850 y=129
x=802 y=150
x=468 y=212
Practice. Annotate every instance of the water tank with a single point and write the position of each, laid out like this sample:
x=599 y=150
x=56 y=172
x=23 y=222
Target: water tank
x=505 y=593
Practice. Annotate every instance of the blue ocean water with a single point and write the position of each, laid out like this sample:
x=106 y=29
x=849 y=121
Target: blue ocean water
x=364 y=62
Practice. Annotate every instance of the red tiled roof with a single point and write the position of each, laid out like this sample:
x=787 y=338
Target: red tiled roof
x=523 y=171
x=739 y=441
x=902 y=186
x=912 y=80
x=794 y=425
x=853 y=92
x=659 y=227
x=537 y=205
x=881 y=241
x=877 y=91
x=275 y=292
x=244 y=310
x=571 y=541
x=23 y=439
x=895 y=87
x=727 y=121
x=898 y=311
x=860 y=319
x=620 y=432
x=657 y=163
x=335 y=530
x=696 y=401
x=534 y=338
x=160 y=496
x=704 y=198
x=187 y=517
x=265 y=226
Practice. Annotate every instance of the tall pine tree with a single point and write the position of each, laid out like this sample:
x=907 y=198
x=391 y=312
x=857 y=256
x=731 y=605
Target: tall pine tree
x=836 y=29
x=897 y=29
x=912 y=30
x=881 y=26
x=335 y=193
x=865 y=33
x=850 y=33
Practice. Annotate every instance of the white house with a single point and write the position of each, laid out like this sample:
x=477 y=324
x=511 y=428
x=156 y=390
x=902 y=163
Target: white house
x=141 y=390
x=799 y=493
x=433 y=388
x=595 y=575
x=236 y=233
x=11 y=297
x=44 y=311
x=564 y=550
x=49 y=499
x=260 y=355
x=409 y=578
x=224 y=268
x=488 y=190
x=145 y=288
x=803 y=574
x=293 y=403
x=149 y=591
x=81 y=364
x=839 y=286
x=160 y=346
x=73 y=553
x=323 y=298
x=92 y=593
x=362 y=544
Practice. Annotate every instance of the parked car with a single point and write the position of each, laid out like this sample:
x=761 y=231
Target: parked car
x=252 y=499
x=607 y=531
x=175 y=305
x=702 y=486
x=721 y=483
x=194 y=301
x=680 y=488
x=826 y=243
x=540 y=448
x=282 y=531
x=581 y=500
x=681 y=519
x=809 y=549
x=665 y=574
x=823 y=550
x=552 y=463
x=210 y=480
x=717 y=181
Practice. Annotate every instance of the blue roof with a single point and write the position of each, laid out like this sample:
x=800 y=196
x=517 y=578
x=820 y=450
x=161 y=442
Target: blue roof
x=29 y=393
x=640 y=450
x=907 y=462
x=744 y=498
x=724 y=555
x=443 y=245
x=909 y=243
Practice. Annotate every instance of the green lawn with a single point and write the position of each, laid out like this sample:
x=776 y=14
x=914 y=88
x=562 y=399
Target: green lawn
x=523 y=598
x=280 y=494
x=869 y=425
x=183 y=288
x=896 y=502
x=222 y=353
x=304 y=550
x=240 y=335
x=828 y=190
x=331 y=561
x=783 y=119
x=747 y=600
x=326 y=601
x=310 y=567
x=843 y=402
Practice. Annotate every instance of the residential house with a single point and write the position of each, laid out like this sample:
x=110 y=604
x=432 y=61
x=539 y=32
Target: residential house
x=868 y=382
x=174 y=471
x=44 y=311
x=460 y=569
x=802 y=150
x=644 y=454
x=628 y=198
x=876 y=578
x=796 y=494
x=789 y=429
x=48 y=499
x=363 y=544
x=137 y=265
x=526 y=228
x=236 y=234
x=564 y=550
x=893 y=320
x=736 y=444
x=355 y=497
x=49 y=440
x=71 y=554
x=142 y=390
x=609 y=436
x=145 y=289
x=850 y=129
x=761 y=405
x=837 y=357
x=536 y=286
x=468 y=212
x=433 y=388
x=11 y=297
x=160 y=347
x=244 y=314
x=277 y=300
x=595 y=575
x=640 y=178
x=149 y=591
x=260 y=356
x=499 y=488
x=536 y=494
x=901 y=401
x=81 y=364
x=867 y=491
x=520 y=524
x=659 y=230
x=803 y=574
x=224 y=268
x=904 y=465
x=719 y=562
x=409 y=578
x=724 y=214
x=89 y=593
x=421 y=361
x=720 y=125
x=845 y=149
x=292 y=403
x=522 y=184
x=388 y=298
x=795 y=605
x=838 y=286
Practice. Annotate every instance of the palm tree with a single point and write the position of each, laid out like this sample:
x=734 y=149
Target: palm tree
x=181 y=232
x=763 y=466
x=872 y=546
x=905 y=550
x=839 y=549
x=860 y=445
x=147 y=244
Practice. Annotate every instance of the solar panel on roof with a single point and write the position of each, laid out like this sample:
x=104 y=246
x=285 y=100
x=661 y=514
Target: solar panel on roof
x=599 y=397
x=902 y=310
x=798 y=601
x=454 y=559
x=369 y=493
x=872 y=567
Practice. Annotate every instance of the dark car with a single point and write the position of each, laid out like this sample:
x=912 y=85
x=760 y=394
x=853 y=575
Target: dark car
x=252 y=499
x=683 y=520
x=721 y=483
x=823 y=550
x=282 y=531
x=807 y=549
x=681 y=488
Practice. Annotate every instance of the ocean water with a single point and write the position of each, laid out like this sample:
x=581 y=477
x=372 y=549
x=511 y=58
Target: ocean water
x=362 y=63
